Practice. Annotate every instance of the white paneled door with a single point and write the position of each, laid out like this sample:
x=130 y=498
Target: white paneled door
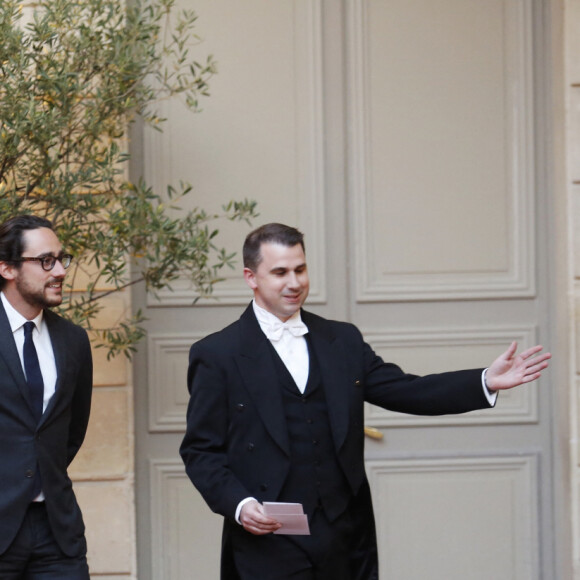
x=403 y=137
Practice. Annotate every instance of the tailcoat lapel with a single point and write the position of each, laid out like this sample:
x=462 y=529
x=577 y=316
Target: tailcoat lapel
x=260 y=378
x=334 y=372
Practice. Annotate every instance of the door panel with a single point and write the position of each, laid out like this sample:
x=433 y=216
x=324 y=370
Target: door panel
x=442 y=171
x=436 y=527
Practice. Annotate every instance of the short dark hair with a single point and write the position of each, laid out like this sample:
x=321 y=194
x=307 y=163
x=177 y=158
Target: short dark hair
x=11 y=237
x=269 y=233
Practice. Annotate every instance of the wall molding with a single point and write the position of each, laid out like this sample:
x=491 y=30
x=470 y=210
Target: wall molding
x=467 y=491
x=187 y=532
x=309 y=171
x=517 y=279
x=166 y=383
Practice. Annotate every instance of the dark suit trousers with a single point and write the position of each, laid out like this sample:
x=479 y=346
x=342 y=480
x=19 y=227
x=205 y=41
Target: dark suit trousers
x=35 y=555
x=344 y=549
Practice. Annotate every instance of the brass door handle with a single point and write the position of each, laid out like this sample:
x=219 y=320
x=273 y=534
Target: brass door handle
x=373 y=433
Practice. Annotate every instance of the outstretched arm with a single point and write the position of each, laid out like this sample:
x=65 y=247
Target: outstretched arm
x=510 y=370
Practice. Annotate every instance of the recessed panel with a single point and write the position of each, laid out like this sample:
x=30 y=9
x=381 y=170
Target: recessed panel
x=258 y=136
x=167 y=381
x=470 y=518
x=441 y=169
x=187 y=541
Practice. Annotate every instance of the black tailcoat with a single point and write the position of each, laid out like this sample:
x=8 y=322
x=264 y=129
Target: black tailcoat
x=236 y=444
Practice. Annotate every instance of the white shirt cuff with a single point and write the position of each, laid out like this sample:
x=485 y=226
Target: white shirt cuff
x=491 y=396
x=240 y=506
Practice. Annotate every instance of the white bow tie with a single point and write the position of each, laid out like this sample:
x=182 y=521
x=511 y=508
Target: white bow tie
x=296 y=328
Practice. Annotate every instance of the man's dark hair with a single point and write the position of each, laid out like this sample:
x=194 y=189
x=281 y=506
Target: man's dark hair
x=12 y=239
x=269 y=233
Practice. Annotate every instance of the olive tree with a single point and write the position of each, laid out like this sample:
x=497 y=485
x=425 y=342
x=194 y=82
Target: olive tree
x=74 y=76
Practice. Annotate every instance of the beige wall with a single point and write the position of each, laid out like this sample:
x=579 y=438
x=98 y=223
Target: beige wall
x=572 y=91
x=103 y=471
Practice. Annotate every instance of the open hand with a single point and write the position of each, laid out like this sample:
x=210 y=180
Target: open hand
x=510 y=370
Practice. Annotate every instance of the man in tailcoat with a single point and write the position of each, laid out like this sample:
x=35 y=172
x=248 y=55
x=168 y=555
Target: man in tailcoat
x=45 y=400
x=276 y=415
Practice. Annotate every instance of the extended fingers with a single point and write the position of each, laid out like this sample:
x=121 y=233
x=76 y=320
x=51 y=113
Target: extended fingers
x=536 y=362
x=532 y=351
x=532 y=366
x=537 y=365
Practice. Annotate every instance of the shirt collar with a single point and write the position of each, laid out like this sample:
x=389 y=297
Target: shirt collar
x=266 y=319
x=15 y=319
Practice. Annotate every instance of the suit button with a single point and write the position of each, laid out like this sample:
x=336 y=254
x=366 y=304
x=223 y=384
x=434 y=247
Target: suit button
x=251 y=447
x=240 y=407
x=29 y=473
x=263 y=487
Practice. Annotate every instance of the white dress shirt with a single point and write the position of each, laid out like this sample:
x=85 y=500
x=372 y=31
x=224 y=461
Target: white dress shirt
x=288 y=340
x=41 y=339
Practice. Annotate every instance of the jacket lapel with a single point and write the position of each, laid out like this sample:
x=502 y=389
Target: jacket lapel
x=9 y=353
x=59 y=350
x=261 y=379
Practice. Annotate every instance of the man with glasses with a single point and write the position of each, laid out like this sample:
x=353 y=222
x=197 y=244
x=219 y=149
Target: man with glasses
x=45 y=399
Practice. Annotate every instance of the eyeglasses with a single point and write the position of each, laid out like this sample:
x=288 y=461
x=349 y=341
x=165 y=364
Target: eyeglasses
x=48 y=262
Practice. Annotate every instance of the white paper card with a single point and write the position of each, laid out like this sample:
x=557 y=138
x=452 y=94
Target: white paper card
x=290 y=515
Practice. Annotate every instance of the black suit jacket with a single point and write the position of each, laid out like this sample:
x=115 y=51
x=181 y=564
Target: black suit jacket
x=236 y=442
x=49 y=445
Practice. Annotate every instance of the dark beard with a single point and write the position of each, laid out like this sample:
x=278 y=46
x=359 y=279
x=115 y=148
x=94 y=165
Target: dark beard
x=36 y=298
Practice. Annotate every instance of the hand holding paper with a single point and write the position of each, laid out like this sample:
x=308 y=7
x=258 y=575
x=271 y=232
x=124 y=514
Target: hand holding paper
x=290 y=515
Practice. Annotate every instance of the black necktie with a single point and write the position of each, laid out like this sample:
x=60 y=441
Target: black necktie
x=32 y=370
x=36 y=386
